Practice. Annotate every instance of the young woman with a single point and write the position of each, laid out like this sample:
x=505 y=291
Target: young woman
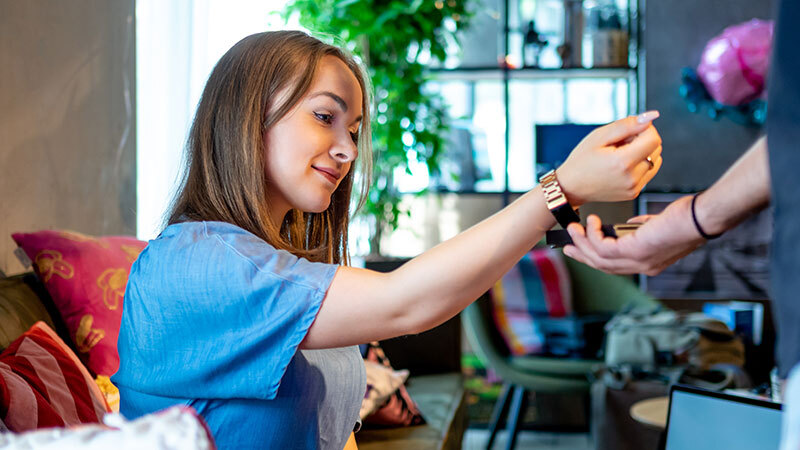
x=245 y=308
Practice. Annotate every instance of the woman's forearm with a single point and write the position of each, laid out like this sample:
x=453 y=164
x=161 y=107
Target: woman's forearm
x=444 y=280
x=432 y=287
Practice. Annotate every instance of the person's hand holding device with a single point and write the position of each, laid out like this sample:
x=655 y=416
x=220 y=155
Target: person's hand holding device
x=612 y=163
x=659 y=241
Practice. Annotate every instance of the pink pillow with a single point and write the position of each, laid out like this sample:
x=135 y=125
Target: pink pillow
x=43 y=384
x=86 y=277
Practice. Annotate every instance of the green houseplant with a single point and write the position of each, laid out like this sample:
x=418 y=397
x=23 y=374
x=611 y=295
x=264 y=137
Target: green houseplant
x=395 y=39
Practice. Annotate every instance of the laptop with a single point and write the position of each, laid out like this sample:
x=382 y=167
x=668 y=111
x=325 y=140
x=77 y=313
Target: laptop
x=702 y=419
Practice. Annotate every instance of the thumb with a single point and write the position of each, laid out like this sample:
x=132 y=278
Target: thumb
x=625 y=128
x=640 y=219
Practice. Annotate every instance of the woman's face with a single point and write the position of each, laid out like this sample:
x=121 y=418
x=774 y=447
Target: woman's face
x=310 y=150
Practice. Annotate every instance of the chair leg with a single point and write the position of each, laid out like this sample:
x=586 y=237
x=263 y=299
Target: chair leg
x=587 y=410
x=498 y=413
x=519 y=403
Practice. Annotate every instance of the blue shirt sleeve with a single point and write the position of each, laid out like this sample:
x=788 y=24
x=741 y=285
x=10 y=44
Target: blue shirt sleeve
x=212 y=311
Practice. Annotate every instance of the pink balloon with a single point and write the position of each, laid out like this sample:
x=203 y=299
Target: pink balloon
x=734 y=64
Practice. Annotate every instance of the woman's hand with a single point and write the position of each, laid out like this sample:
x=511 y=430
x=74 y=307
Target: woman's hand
x=612 y=163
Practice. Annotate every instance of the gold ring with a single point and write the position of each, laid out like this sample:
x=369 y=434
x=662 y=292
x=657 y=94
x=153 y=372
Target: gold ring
x=650 y=161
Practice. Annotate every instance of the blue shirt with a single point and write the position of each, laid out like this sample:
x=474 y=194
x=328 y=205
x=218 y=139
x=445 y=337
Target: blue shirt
x=212 y=318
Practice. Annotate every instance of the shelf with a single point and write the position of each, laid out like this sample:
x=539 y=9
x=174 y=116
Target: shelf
x=466 y=192
x=535 y=74
x=529 y=73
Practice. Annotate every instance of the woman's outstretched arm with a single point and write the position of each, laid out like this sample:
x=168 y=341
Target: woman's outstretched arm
x=610 y=164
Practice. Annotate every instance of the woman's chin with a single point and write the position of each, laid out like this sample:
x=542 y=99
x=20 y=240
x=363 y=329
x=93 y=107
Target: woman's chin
x=316 y=207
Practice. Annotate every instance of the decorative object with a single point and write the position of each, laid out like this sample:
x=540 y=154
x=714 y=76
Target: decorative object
x=608 y=38
x=382 y=382
x=21 y=307
x=396 y=40
x=532 y=45
x=86 y=277
x=538 y=286
x=45 y=385
x=398 y=409
x=734 y=65
x=697 y=98
x=731 y=77
x=174 y=428
x=570 y=50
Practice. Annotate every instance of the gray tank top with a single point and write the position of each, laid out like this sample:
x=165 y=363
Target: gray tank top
x=344 y=382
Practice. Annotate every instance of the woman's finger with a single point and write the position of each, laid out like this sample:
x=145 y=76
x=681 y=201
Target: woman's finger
x=622 y=129
x=642 y=145
x=649 y=174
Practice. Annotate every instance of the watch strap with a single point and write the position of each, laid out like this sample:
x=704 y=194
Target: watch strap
x=556 y=200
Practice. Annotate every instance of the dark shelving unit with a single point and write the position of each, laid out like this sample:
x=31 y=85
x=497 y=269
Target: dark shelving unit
x=506 y=75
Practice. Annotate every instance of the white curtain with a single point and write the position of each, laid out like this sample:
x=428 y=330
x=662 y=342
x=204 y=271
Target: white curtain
x=177 y=44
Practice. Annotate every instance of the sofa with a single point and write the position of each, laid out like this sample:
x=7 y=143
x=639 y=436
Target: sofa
x=432 y=358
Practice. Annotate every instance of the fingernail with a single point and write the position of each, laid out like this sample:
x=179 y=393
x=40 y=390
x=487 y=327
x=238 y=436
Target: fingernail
x=648 y=116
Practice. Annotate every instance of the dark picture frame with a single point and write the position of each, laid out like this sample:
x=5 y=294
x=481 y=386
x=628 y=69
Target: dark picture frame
x=735 y=266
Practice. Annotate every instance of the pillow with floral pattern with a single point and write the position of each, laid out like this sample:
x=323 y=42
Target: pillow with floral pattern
x=86 y=278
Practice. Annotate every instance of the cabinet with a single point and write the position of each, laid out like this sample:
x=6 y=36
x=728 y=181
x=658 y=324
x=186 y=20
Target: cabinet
x=499 y=104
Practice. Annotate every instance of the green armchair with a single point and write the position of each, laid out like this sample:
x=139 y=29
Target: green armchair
x=593 y=292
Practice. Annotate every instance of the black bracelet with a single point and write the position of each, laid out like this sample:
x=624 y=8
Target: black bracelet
x=706 y=236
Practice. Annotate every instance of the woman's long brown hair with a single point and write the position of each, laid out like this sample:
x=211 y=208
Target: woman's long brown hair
x=255 y=84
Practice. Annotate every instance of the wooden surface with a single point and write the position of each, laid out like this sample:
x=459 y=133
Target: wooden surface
x=652 y=411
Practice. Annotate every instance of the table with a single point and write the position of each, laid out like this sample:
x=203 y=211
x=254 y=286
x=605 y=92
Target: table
x=652 y=411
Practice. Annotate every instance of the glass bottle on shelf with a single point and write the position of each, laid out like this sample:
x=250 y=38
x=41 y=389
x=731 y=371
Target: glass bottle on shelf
x=607 y=38
x=572 y=43
x=532 y=45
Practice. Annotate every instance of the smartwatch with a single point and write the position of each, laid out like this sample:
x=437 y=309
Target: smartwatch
x=556 y=200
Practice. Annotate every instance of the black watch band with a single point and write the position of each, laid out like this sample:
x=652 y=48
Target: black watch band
x=556 y=200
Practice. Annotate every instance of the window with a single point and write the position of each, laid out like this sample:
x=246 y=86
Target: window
x=177 y=45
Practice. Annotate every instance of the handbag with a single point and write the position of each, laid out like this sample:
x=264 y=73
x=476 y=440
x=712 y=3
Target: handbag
x=654 y=338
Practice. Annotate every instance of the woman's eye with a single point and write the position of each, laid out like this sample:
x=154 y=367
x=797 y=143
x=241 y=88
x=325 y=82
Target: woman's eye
x=327 y=118
x=354 y=137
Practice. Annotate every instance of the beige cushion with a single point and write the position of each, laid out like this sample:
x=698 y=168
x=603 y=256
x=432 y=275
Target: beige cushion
x=20 y=308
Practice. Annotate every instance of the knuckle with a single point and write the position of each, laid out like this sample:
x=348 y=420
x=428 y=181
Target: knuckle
x=621 y=165
x=652 y=271
x=654 y=137
x=631 y=182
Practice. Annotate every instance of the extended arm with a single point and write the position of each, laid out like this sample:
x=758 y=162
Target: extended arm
x=362 y=305
x=667 y=237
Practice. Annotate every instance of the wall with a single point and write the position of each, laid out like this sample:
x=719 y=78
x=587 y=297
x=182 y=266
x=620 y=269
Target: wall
x=697 y=150
x=67 y=131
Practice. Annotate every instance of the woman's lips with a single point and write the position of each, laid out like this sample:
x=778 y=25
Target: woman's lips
x=331 y=175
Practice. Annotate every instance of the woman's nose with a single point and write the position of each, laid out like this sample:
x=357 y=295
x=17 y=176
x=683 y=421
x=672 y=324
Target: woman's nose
x=345 y=150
